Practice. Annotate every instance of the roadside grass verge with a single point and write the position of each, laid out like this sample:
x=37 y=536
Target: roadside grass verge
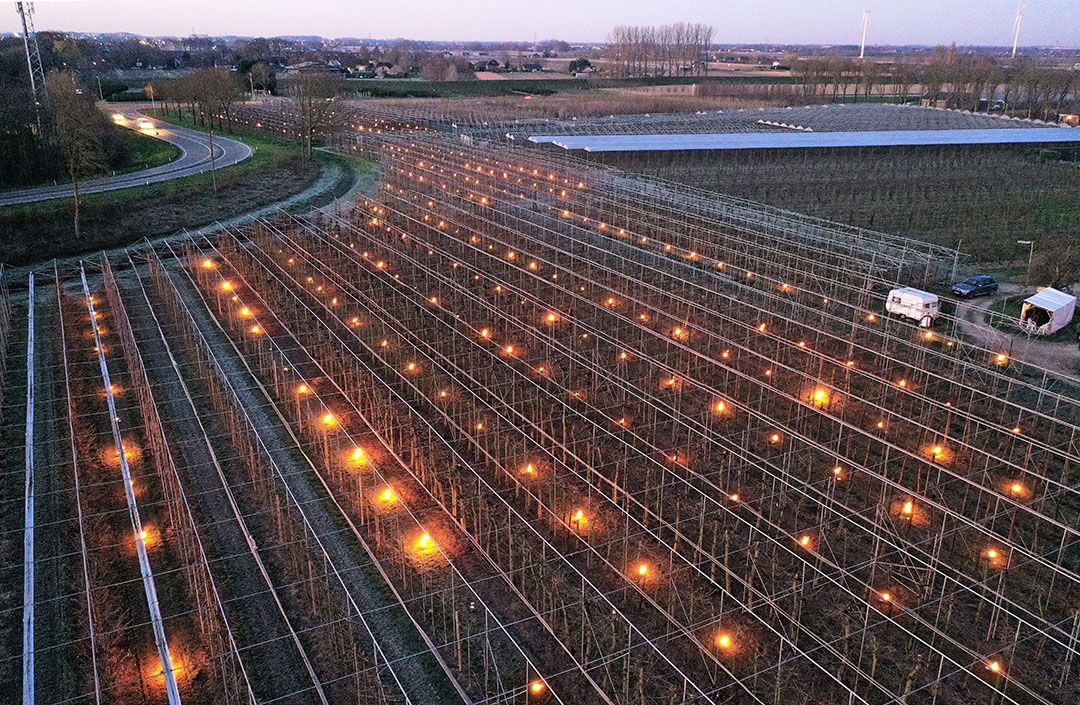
x=146 y=152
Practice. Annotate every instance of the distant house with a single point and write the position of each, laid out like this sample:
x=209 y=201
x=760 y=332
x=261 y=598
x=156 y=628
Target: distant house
x=489 y=65
x=393 y=71
x=306 y=67
x=953 y=101
x=532 y=67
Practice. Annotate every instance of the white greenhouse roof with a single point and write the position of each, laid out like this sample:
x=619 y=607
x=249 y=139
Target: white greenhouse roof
x=807 y=140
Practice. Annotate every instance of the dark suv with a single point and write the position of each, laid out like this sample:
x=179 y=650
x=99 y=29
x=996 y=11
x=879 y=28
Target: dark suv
x=979 y=285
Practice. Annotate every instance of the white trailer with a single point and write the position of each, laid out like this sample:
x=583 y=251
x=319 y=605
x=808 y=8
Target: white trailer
x=915 y=304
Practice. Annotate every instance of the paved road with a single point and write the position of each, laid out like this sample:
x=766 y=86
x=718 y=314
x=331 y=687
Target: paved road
x=195 y=159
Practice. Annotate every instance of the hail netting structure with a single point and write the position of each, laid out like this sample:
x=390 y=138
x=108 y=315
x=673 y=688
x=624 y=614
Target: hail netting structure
x=680 y=427
x=520 y=428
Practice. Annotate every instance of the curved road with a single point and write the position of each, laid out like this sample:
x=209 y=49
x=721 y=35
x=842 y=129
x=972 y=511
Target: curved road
x=195 y=158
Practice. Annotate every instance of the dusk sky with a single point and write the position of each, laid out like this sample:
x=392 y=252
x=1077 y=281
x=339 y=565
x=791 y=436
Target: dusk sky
x=1046 y=22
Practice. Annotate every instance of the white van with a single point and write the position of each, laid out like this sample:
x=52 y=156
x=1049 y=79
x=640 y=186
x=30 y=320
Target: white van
x=921 y=306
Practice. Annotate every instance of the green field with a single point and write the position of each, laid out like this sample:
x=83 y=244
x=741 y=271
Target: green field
x=416 y=88
x=42 y=231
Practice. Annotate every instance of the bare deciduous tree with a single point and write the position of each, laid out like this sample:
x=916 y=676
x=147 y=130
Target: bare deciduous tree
x=314 y=94
x=76 y=124
x=261 y=74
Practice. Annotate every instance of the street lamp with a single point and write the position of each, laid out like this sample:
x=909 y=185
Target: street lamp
x=1031 y=256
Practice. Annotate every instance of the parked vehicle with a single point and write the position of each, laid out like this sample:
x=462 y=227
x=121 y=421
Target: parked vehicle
x=978 y=285
x=914 y=304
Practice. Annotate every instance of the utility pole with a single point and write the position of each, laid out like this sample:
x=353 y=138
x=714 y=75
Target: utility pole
x=213 y=163
x=1031 y=256
x=956 y=259
x=1016 y=28
x=865 y=24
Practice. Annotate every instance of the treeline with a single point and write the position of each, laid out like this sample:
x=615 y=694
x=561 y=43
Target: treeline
x=38 y=145
x=436 y=67
x=206 y=95
x=973 y=82
x=680 y=49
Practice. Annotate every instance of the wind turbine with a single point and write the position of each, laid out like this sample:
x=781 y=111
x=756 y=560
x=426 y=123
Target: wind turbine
x=1020 y=7
x=865 y=24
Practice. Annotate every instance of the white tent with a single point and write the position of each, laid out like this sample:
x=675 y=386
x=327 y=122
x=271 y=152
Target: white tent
x=1047 y=311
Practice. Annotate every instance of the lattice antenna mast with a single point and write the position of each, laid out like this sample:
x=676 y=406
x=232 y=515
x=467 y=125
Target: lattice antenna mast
x=33 y=54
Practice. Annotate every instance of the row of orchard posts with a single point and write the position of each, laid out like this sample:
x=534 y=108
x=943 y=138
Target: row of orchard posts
x=784 y=455
x=5 y=329
x=332 y=637
x=489 y=527
x=220 y=652
x=122 y=646
x=500 y=447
